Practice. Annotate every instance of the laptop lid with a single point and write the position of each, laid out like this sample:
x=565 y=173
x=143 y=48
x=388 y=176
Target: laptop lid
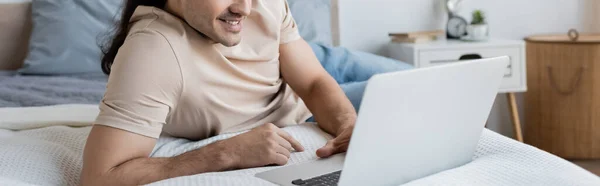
x=419 y=122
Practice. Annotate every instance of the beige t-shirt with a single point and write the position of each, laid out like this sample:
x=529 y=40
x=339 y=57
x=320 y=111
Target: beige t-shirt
x=169 y=78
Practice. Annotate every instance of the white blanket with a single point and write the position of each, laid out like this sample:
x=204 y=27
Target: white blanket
x=43 y=146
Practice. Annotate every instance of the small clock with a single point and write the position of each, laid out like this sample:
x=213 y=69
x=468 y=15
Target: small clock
x=456 y=27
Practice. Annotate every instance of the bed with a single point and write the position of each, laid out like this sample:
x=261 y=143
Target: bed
x=43 y=146
x=45 y=120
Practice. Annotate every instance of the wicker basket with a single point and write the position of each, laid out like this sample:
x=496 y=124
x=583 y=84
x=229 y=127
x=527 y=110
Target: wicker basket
x=563 y=101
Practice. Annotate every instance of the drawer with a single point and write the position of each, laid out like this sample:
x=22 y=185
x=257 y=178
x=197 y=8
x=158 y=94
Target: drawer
x=512 y=75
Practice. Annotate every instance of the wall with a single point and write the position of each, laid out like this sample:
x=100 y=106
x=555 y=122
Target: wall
x=592 y=18
x=513 y=19
x=364 y=25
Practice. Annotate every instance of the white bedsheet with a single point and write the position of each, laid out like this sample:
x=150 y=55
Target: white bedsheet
x=43 y=146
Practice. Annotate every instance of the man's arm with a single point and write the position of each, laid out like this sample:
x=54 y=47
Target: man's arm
x=117 y=157
x=321 y=93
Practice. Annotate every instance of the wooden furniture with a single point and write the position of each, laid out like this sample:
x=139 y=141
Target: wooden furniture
x=15 y=30
x=449 y=51
x=563 y=102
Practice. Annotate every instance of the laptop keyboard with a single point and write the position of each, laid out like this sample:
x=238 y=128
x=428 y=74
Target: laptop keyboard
x=326 y=179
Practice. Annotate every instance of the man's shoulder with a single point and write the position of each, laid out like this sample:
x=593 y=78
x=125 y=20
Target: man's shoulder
x=277 y=7
x=151 y=19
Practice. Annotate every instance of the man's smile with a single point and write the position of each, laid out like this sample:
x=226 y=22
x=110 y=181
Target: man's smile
x=232 y=25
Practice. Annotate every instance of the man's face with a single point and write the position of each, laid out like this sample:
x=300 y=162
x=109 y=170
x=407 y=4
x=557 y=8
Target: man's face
x=219 y=20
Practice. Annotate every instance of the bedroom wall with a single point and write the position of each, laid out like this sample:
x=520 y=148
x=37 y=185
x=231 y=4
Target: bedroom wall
x=592 y=18
x=364 y=25
x=514 y=19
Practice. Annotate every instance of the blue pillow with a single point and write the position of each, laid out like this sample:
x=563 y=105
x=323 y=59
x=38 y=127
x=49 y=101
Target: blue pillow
x=66 y=34
x=314 y=20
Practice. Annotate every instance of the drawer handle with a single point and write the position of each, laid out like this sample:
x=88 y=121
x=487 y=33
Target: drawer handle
x=470 y=57
x=574 y=82
x=461 y=58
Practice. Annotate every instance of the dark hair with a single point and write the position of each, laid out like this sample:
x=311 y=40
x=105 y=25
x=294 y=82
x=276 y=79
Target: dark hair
x=121 y=30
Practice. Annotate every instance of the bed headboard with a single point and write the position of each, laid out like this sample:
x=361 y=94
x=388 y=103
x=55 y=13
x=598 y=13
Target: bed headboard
x=15 y=21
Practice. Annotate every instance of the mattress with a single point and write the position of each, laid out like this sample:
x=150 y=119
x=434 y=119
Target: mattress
x=43 y=146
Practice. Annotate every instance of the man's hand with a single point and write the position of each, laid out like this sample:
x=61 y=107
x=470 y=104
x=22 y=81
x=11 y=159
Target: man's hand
x=264 y=145
x=339 y=144
x=332 y=110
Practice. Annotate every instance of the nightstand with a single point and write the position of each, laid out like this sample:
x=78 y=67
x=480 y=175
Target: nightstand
x=449 y=51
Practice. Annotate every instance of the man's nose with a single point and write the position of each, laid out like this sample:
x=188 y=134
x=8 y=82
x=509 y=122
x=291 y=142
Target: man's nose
x=242 y=7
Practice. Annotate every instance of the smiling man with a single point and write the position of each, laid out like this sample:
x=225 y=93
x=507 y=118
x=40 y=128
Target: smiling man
x=198 y=68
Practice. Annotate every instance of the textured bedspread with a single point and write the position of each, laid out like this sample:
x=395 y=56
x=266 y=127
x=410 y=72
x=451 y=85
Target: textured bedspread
x=23 y=91
x=49 y=153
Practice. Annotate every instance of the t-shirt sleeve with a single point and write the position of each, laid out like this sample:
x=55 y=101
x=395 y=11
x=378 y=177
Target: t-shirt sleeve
x=144 y=85
x=289 y=29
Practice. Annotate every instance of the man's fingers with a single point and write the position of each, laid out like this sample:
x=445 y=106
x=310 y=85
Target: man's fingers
x=295 y=144
x=285 y=144
x=283 y=151
x=327 y=150
x=280 y=159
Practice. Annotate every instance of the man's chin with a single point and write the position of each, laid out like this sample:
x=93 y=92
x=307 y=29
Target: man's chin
x=231 y=43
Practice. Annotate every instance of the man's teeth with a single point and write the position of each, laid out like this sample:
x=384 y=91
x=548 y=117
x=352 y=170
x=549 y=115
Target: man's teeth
x=233 y=22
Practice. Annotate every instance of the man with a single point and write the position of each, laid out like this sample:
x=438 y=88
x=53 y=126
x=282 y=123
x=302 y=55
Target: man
x=195 y=69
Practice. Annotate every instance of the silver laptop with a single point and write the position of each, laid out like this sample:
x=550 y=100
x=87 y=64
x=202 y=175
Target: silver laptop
x=411 y=124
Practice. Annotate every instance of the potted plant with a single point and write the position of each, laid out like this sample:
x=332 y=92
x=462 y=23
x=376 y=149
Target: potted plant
x=478 y=29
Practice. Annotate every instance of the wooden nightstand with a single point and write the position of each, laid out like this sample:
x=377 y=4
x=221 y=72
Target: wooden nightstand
x=449 y=51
